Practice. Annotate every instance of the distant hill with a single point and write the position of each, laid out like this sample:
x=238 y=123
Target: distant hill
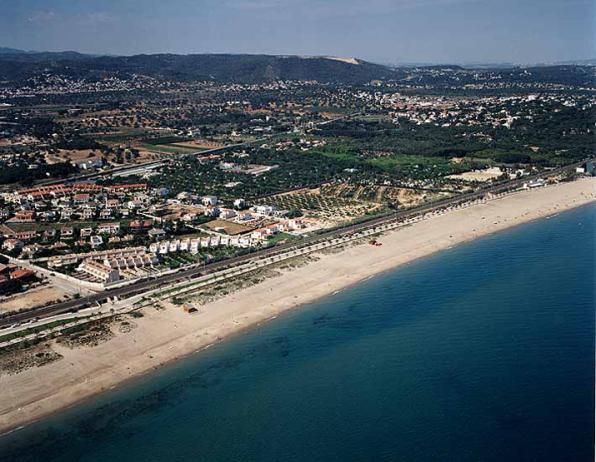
x=579 y=62
x=218 y=67
x=242 y=68
x=10 y=51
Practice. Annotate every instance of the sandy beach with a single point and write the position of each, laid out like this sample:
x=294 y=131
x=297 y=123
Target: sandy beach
x=161 y=336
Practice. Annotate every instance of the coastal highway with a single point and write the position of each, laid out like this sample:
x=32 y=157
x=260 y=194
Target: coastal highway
x=195 y=271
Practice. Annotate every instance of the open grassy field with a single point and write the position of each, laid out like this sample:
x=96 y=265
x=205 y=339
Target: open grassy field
x=173 y=148
x=228 y=227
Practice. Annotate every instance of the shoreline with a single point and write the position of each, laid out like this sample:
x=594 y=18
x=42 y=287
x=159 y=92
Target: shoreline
x=164 y=336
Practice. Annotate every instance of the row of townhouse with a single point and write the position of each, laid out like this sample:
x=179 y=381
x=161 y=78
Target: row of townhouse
x=194 y=245
x=58 y=261
x=52 y=191
x=24 y=216
x=21 y=235
x=120 y=189
x=99 y=271
x=137 y=261
x=113 y=267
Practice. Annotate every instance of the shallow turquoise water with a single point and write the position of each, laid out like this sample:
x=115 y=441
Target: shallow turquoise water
x=484 y=352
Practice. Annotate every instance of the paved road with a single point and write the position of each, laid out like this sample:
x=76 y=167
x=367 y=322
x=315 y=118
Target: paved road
x=144 y=285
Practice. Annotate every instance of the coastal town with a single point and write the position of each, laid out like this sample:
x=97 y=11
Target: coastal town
x=132 y=196
x=98 y=236
x=297 y=231
x=109 y=182
x=115 y=180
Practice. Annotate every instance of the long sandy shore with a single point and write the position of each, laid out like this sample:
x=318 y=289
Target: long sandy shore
x=165 y=335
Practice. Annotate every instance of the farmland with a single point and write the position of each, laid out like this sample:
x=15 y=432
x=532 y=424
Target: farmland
x=392 y=196
x=331 y=209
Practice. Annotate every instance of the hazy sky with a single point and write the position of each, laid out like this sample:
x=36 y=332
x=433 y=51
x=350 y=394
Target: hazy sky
x=389 y=31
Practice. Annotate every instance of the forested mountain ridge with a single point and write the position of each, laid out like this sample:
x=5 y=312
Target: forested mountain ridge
x=218 y=67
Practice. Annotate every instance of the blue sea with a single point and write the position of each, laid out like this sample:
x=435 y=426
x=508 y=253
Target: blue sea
x=484 y=352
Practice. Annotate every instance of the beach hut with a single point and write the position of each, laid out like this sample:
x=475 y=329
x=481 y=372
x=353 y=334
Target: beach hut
x=189 y=309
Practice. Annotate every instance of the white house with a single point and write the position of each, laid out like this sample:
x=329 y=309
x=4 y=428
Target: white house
x=264 y=209
x=227 y=214
x=96 y=241
x=209 y=200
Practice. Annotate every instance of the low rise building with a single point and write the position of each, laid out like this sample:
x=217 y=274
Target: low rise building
x=96 y=241
x=24 y=216
x=26 y=235
x=209 y=200
x=58 y=261
x=109 y=228
x=100 y=271
x=66 y=232
x=12 y=244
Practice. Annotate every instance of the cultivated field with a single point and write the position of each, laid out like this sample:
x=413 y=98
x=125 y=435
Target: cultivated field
x=200 y=144
x=316 y=203
x=398 y=197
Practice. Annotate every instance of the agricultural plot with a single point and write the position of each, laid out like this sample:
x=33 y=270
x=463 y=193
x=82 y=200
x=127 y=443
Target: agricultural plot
x=198 y=145
x=315 y=203
x=121 y=136
x=396 y=197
